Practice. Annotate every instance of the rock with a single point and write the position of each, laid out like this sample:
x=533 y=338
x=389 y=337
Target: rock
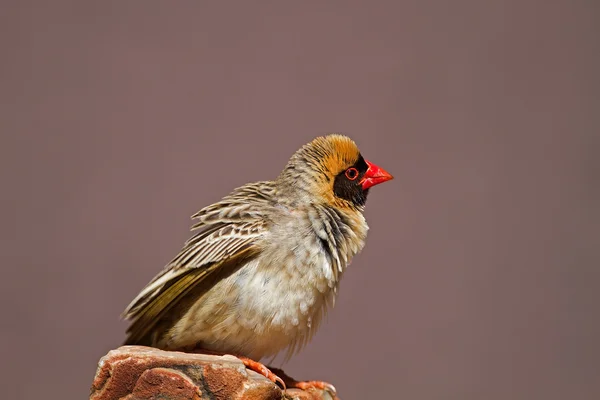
x=137 y=372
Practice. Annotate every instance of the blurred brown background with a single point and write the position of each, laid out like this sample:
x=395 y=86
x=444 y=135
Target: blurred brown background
x=481 y=275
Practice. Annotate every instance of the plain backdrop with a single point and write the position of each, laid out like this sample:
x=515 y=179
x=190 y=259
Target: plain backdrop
x=481 y=275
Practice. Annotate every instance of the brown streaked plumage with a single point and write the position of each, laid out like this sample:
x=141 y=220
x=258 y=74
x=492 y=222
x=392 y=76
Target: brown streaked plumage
x=265 y=262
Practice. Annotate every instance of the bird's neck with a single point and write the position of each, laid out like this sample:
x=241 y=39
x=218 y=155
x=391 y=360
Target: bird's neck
x=339 y=232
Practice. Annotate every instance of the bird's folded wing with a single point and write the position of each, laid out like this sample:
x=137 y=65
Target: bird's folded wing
x=214 y=247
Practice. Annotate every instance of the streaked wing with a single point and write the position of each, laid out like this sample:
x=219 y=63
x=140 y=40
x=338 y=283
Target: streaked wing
x=244 y=203
x=227 y=236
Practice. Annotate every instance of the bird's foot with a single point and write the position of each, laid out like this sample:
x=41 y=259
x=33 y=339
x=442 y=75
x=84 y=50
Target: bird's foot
x=304 y=385
x=278 y=377
x=248 y=363
x=263 y=370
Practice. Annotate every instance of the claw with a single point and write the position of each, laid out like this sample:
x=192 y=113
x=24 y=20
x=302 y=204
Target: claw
x=264 y=371
x=267 y=373
x=317 y=385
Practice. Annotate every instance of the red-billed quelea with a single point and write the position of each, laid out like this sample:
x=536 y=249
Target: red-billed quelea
x=265 y=263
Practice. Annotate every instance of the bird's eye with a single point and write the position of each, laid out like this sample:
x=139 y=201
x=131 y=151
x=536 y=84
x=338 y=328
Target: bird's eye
x=352 y=173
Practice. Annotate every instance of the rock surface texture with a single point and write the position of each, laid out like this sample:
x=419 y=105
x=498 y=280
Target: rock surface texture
x=136 y=372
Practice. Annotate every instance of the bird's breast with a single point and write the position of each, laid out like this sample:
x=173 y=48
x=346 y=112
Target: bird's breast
x=289 y=284
x=298 y=272
x=278 y=299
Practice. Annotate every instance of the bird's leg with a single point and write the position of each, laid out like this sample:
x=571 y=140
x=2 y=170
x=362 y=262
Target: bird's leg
x=263 y=370
x=304 y=385
x=275 y=375
x=248 y=363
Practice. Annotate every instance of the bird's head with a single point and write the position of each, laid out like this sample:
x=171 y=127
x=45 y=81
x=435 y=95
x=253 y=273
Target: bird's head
x=332 y=170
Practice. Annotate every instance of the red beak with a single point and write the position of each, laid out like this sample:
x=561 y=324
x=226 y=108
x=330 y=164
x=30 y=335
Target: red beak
x=374 y=176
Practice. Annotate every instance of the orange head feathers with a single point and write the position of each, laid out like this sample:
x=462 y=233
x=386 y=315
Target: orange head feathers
x=331 y=169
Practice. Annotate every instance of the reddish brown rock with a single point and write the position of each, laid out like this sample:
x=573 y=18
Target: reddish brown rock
x=164 y=383
x=136 y=373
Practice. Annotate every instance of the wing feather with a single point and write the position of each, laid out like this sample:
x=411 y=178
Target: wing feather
x=228 y=233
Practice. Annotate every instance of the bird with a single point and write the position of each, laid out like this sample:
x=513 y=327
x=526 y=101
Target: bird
x=264 y=263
